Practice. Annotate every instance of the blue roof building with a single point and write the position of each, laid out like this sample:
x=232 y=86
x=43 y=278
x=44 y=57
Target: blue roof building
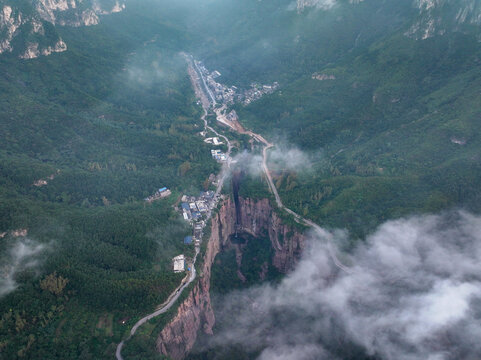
x=163 y=189
x=188 y=240
x=185 y=206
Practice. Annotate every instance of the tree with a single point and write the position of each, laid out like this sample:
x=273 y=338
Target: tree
x=184 y=168
x=54 y=284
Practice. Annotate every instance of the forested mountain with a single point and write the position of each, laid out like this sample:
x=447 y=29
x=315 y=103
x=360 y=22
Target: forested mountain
x=381 y=94
x=86 y=136
x=381 y=98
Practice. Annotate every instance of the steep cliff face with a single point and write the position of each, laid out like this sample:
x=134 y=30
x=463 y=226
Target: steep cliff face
x=179 y=336
x=256 y=218
x=195 y=313
x=429 y=17
x=30 y=24
x=10 y=21
x=76 y=12
x=437 y=17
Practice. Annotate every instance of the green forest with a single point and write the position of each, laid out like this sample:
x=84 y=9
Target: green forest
x=383 y=144
x=387 y=121
x=97 y=129
x=388 y=124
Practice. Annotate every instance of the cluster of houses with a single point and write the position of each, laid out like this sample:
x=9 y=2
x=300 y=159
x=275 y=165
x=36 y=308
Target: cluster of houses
x=198 y=232
x=159 y=194
x=221 y=93
x=229 y=95
x=218 y=155
x=194 y=207
x=256 y=92
x=194 y=210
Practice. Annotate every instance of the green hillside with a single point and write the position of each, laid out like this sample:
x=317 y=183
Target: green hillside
x=388 y=121
x=397 y=129
x=390 y=127
x=111 y=120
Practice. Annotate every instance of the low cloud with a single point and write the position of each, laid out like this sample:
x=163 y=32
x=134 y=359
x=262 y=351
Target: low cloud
x=280 y=158
x=413 y=292
x=249 y=162
x=149 y=67
x=289 y=158
x=24 y=254
x=145 y=74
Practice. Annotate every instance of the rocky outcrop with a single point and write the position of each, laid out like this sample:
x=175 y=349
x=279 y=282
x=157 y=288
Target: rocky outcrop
x=320 y=4
x=195 y=313
x=258 y=219
x=28 y=24
x=429 y=17
x=437 y=17
x=32 y=51
x=76 y=12
x=9 y=23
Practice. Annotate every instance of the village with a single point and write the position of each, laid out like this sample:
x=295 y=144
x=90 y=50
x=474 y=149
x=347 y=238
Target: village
x=196 y=210
x=229 y=95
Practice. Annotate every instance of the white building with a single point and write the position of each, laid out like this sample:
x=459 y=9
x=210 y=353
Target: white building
x=179 y=263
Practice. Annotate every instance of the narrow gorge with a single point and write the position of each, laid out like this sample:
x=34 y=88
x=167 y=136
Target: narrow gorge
x=257 y=219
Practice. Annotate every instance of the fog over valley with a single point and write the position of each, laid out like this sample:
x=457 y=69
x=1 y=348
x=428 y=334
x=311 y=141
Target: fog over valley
x=412 y=292
x=240 y=179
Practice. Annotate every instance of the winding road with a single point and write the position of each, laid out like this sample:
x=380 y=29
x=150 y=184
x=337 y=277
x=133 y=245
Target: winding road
x=201 y=89
x=323 y=234
x=163 y=308
x=177 y=292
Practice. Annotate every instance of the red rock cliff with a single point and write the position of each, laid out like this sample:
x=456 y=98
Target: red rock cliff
x=256 y=217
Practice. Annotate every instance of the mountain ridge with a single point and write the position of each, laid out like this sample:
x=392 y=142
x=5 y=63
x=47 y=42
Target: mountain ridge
x=434 y=17
x=27 y=28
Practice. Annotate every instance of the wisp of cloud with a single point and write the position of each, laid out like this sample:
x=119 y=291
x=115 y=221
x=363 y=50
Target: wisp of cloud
x=289 y=158
x=22 y=255
x=280 y=158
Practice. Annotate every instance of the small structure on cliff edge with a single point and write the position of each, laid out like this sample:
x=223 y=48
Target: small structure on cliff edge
x=178 y=263
x=160 y=194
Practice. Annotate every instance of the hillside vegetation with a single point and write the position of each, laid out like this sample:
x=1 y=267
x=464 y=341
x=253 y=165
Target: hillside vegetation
x=97 y=129
x=387 y=119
